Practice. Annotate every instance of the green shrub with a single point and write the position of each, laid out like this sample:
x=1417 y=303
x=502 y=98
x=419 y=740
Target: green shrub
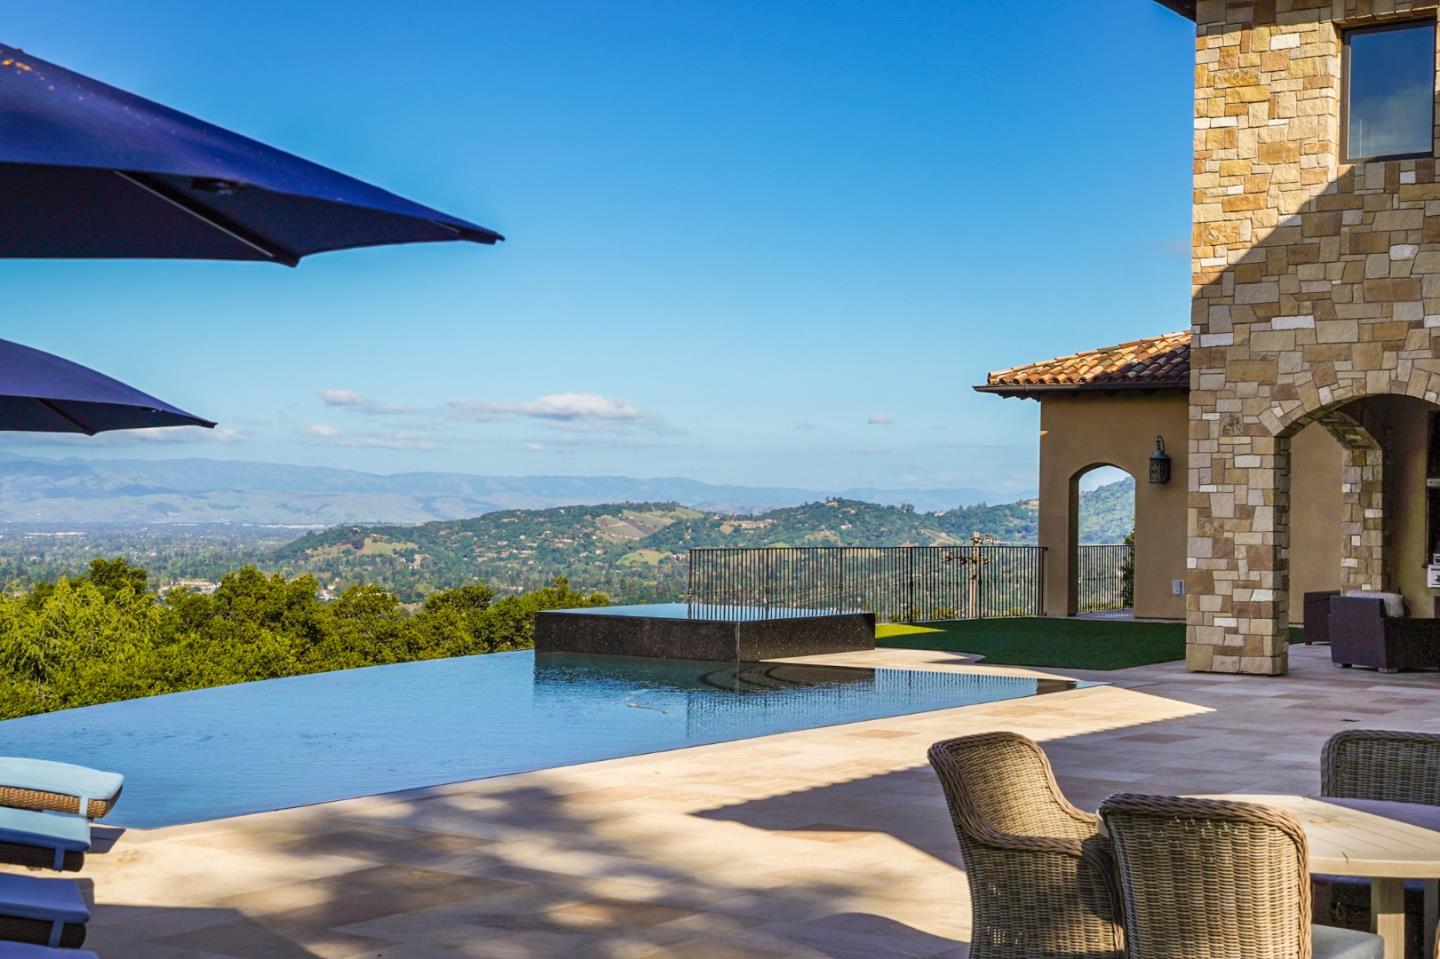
x=1127 y=574
x=106 y=636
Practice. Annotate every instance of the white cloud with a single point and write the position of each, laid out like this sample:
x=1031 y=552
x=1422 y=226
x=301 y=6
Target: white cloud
x=583 y=411
x=555 y=406
x=360 y=403
x=387 y=440
x=553 y=449
x=220 y=434
x=880 y=419
x=184 y=434
x=159 y=434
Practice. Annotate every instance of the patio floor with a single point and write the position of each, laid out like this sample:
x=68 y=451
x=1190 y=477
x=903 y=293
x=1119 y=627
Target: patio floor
x=831 y=842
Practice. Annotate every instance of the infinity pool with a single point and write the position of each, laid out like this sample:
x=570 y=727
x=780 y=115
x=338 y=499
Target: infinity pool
x=308 y=739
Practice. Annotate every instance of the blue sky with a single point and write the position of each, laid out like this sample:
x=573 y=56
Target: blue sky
x=755 y=242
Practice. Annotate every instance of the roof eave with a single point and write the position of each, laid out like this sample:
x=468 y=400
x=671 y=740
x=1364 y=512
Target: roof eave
x=1035 y=390
x=1186 y=8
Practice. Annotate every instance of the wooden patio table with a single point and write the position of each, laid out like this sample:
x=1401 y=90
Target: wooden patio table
x=1385 y=842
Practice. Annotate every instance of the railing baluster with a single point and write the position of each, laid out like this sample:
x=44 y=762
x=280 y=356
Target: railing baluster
x=898 y=583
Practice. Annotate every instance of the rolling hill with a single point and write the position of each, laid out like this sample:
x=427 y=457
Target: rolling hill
x=637 y=551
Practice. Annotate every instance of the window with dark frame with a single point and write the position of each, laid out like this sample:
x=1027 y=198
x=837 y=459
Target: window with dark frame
x=1389 y=108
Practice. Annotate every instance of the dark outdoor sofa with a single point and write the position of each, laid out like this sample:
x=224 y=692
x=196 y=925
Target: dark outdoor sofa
x=1363 y=634
x=1317 y=616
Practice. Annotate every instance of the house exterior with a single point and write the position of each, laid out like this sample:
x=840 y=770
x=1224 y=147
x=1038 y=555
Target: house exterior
x=1106 y=407
x=1315 y=307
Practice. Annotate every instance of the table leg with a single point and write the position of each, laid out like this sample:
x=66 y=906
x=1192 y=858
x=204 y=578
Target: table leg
x=1432 y=915
x=1387 y=914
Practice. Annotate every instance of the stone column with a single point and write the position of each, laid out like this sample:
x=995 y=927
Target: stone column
x=1266 y=128
x=1362 y=553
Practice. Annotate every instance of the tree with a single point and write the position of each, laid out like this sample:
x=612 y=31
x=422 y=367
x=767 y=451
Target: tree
x=1127 y=573
x=113 y=575
x=107 y=636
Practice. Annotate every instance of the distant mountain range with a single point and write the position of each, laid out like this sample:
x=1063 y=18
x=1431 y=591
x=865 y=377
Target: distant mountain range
x=93 y=491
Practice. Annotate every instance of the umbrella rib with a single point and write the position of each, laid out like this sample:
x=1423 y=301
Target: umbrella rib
x=55 y=408
x=209 y=217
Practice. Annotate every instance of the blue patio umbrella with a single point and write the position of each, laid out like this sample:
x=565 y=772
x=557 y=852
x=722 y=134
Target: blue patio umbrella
x=42 y=393
x=87 y=170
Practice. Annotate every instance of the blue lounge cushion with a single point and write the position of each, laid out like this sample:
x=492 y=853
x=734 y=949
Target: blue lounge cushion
x=1332 y=942
x=53 y=900
x=42 y=775
x=27 y=827
x=23 y=950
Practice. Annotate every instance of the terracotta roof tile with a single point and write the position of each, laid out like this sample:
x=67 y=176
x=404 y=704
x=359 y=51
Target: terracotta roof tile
x=1157 y=363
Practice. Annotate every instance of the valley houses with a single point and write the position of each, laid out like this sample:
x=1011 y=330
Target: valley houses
x=1300 y=407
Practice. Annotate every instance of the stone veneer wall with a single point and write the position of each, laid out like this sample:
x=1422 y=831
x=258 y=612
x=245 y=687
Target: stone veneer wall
x=1315 y=282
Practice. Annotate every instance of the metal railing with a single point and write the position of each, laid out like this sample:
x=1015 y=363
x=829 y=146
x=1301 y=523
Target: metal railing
x=896 y=583
x=1104 y=577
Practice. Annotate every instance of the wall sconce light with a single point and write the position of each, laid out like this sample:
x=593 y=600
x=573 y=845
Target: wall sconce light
x=1159 y=463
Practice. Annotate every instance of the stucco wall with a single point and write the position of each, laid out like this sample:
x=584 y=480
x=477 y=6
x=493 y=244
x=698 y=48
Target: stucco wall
x=1315 y=504
x=1402 y=426
x=1080 y=431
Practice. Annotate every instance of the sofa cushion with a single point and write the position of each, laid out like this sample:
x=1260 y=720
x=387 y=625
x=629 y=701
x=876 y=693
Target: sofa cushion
x=47 y=830
x=50 y=900
x=1394 y=602
x=23 y=950
x=43 y=775
x=1332 y=942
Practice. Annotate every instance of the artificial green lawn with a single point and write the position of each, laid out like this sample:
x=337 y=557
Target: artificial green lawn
x=1058 y=643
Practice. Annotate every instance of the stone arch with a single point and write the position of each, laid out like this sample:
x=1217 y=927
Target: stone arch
x=1287 y=417
x=1240 y=539
x=1362 y=551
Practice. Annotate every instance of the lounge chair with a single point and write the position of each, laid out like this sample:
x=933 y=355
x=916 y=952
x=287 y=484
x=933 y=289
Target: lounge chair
x=24 y=950
x=1206 y=878
x=44 y=912
x=1041 y=881
x=43 y=840
x=59 y=787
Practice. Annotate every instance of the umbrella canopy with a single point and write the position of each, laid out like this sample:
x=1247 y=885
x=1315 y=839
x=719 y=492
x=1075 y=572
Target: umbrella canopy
x=92 y=171
x=42 y=393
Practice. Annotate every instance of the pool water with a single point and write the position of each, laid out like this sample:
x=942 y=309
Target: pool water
x=307 y=739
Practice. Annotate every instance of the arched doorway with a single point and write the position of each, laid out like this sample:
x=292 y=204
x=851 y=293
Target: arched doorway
x=1102 y=541
x=1246 y=526
x=1388 y=474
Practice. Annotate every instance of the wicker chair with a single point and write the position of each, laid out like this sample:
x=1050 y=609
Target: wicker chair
x=1384 y=765
x=1377 y=764
x=1041 y=880
x=1203 y=878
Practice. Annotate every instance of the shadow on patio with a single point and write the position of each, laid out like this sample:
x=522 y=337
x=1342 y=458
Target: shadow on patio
x=521 y=872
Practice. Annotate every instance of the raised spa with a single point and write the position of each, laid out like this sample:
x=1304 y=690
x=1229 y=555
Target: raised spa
x=737 y=634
